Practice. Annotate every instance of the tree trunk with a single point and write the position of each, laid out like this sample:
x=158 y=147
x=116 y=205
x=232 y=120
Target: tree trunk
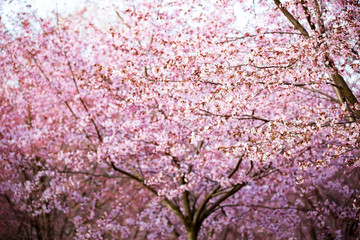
x=192 y=233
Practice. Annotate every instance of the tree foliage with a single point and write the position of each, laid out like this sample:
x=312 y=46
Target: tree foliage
x=175 y=123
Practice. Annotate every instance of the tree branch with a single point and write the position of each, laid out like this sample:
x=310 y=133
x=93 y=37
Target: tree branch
x=78 y=91
x=277 y=208
x=213 y=206
x=292 y=19
x=318 y=16
x=233 y=39
x=175 y=209
x=242 y=117
x=237 y=166
x=266 y=67
x=307 y=14
x=59 y=93
x=322 y=93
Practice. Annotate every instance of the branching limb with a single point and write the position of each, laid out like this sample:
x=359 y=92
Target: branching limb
x=174 y=208
x=343 y=93
x=221 y=199
x=322 y=93
x=59 y=93
x=81 y=99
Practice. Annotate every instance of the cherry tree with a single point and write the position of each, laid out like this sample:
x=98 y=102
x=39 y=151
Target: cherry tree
x=176 y=123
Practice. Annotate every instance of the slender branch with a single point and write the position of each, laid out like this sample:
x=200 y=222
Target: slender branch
x=275 y=66
x=265 y=67
x=59 y=93
x=89 y=173
x=255 y=118
x=57 y=90
x=303 y=86
x=175 y=209
x=215 y=114
x=266 y=174
x=318 y=16
x=78 y=91
x=307 y=14
x=251 y=167
x=284 y=33
x=223 y=191
x=233 y=39
x=277 y=208
x=122 y=20
x=242 y=117
x=73 y=76
x=72 y=112
x=214 y=205
x=202 y=206
x=213 y=83
x=237 y=166
x=322 y=93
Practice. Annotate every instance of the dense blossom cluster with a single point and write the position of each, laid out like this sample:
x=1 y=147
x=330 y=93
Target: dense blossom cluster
x=173 y=123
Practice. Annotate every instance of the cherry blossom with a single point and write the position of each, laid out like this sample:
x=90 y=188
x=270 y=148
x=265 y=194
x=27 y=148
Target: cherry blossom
x=173 y=123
